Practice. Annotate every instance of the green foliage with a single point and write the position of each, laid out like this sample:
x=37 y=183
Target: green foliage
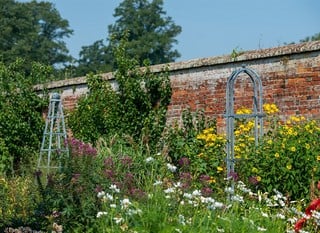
x=32 y=31
x=21 y=122
x=151 y=35
x=68 y=197
x=94 y=58
x=287 y=159
x=18 y=201
x=136 y=106
x=181 y=141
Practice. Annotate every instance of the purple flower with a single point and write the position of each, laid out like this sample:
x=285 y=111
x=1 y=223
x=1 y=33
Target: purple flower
x=206 y=191
x=98 y=189
x=233 y=175
x=126 y=161
x=137 y=193
x=204 y=178
x=108 y=163
x=109 y=174
x=253 y=180
x=185 y=176
x=184 y=162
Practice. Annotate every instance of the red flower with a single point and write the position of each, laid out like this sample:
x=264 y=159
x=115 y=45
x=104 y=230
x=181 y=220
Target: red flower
x=299 y=224
x=314 y=205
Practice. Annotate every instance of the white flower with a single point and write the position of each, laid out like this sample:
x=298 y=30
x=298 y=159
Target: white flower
x=101 y=213
x=118 y=220
x=108 y=197
x=171 y=167
x=181 y=219
x=229 y=190
x=237 y=198
x=169 y=190
x=133 y=212
x=196 y=193
x=281 y=216
x=261 y=229
x=177 y=185
x=220 y=229
x=264 y=215
x=101 y=194
x=158 y=182
x=149 y=160
x=114 y=188
x=113 y=206
x=218 y=205
x=125 y=203
x=187 y=195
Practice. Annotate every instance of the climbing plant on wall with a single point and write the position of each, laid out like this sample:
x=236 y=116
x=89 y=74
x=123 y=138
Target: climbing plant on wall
x=136 y=107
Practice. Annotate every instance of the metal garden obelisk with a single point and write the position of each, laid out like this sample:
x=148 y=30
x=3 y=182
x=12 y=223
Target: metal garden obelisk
x=53 y=147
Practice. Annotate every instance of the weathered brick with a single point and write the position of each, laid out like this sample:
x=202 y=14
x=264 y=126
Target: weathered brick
x=290 y=77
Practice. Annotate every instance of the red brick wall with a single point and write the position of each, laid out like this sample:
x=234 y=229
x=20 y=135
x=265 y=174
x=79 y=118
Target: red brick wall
x=290 y=77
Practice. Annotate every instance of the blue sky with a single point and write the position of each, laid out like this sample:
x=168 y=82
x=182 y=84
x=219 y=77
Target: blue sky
x=209 y=27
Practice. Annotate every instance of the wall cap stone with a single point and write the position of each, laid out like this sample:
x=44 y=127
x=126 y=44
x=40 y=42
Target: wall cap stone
x=201 y=62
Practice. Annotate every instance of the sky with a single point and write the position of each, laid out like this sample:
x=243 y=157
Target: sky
x=209 y=27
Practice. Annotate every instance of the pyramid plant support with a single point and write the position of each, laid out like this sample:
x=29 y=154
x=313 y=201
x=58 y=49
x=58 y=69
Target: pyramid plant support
x=53 y=147
x=257 y=114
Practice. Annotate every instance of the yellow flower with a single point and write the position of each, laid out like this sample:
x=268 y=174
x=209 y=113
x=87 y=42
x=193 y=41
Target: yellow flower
x=254 y=170
x=219 y=169
x=212 y=180
x=258 y=178
x=293 y=149
x=270 y=108
x=307 y=146
x=276 y=155
x=289 y=166
x=318 y=158
x=244 y=110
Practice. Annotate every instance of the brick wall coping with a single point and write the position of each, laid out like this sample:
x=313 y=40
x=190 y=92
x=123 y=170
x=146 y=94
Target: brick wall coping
x=203 y=62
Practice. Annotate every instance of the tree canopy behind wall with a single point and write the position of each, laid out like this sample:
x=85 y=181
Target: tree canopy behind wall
x=152 y=36
x=33 y=31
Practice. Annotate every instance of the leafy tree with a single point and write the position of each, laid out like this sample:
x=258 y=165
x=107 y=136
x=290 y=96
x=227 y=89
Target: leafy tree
x=94 y=58
x=151 y=35
x=33 y=31
x=21 y=122
x=312 y=38
x=137 y=107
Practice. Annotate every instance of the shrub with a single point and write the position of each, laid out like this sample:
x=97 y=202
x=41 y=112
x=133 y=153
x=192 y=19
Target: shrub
x=136 y=107
x=21 y=122
x=18 y=201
